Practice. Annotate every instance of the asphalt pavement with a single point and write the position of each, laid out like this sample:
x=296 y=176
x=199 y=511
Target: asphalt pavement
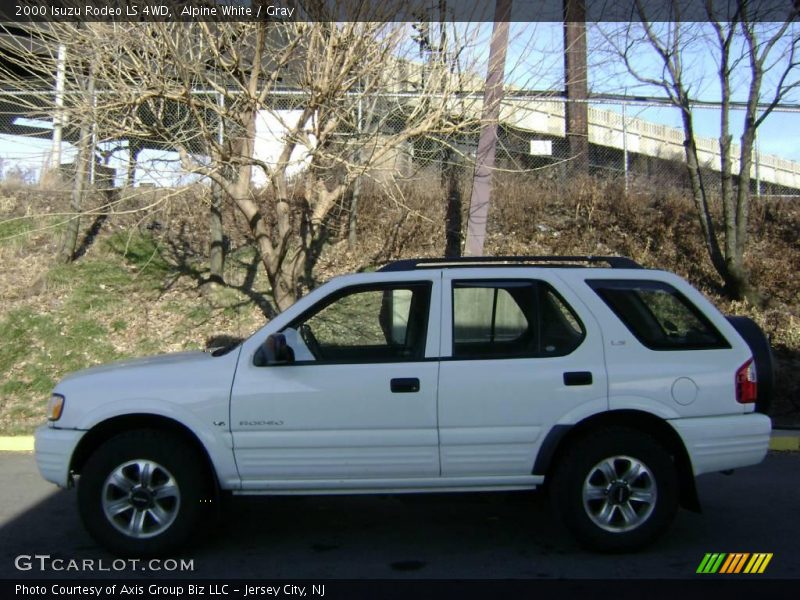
x=438 y=536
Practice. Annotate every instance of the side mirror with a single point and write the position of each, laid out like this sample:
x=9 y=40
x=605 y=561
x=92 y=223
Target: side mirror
x=276 y=351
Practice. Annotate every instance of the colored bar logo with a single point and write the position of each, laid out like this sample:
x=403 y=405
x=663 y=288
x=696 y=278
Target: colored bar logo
x=734 y=563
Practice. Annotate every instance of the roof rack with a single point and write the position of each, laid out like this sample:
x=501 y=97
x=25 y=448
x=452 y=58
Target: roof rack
x=409 y=264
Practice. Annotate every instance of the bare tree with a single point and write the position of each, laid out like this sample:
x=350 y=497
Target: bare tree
x=343 y=100
x=178 y=84
x=751 y=54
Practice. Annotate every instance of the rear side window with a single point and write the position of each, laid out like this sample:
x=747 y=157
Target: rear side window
x=658 y=315
x=512 y=319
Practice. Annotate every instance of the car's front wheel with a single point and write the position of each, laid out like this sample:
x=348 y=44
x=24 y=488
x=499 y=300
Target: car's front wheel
x=142 y=493
x=616 y=490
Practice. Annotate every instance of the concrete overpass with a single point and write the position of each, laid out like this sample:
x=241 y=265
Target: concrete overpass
x=544 y=119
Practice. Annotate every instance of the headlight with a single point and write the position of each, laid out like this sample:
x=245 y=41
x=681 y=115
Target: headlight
x=55 y=407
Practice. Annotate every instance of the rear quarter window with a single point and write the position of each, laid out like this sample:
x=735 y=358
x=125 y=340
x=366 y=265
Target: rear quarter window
x=658 y=315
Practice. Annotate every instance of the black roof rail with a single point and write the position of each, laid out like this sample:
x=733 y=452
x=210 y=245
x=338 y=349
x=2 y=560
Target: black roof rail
x=409 y=264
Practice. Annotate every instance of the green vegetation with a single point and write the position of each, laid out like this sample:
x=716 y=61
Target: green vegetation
x=113 y=303
x=14 y=229
x=141 y=251
x=38 y=348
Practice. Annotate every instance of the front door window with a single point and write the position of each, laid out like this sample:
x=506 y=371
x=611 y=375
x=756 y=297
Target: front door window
x=373 y=324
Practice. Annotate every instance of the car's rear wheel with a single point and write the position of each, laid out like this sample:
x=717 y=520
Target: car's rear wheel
x=143 y=493
x=616 y=490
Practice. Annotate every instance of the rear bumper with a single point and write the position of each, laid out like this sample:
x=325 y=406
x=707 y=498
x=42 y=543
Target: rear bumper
x=729 y=442
x=54 y=449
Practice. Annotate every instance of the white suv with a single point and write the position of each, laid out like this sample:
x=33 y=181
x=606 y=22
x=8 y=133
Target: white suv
x=613 y=386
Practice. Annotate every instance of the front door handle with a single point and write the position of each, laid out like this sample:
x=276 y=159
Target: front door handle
x=578 y=378
x=404 y=385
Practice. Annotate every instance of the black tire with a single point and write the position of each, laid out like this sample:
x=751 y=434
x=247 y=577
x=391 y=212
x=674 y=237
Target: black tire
x=178 y=492
x=759 y=345
x=619 y=518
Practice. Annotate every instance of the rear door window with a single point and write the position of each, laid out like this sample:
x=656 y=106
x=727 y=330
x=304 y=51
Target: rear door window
x=510 y=319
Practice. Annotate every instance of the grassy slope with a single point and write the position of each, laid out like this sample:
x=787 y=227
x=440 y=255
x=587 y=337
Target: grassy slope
x=120 y=300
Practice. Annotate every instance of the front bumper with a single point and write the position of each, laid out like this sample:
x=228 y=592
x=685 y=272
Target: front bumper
x=721 y=443
x=54 y=448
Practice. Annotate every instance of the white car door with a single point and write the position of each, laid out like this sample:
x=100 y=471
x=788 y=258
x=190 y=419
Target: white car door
x=517 y=359
x=359 y=400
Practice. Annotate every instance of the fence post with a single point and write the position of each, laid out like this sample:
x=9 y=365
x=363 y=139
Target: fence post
x=58 y=117
x=625 y=143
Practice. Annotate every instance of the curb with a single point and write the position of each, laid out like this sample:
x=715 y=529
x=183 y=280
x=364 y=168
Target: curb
x=782 y=440
x=785 y=440
x=20 y=443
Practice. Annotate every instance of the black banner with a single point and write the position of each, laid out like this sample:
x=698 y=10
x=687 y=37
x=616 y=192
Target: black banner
x=618 y=589
x=386 y=10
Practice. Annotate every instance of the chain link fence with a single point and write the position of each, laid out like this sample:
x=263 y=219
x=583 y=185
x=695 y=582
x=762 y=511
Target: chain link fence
x=636 y=143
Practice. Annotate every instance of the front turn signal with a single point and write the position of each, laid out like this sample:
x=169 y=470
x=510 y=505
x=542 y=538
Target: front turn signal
x=55 y=407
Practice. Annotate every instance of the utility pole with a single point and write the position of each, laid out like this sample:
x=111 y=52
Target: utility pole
x=216 y=251
x=576 y=86
x=452 y=165
x=482 y=180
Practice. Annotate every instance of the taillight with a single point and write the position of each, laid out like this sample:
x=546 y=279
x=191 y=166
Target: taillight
x=746 y=383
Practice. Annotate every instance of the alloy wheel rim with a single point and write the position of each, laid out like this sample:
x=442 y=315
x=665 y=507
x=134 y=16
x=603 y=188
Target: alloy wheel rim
x=141 y=498
x=619 y=494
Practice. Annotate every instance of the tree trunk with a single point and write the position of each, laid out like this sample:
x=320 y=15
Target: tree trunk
x=272 y=250
x=216 y=257
x=738 y=285
x=737 y=206
x=70 y=244
x=236 y=181
x=352 y=223
x=82 y=165
x=699 y=195
x=743 y=193
x=283 y=295
x=726 y=175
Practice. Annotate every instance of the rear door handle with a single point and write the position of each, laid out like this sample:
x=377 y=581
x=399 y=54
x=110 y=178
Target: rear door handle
x=404 y=385
x=578 y=378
